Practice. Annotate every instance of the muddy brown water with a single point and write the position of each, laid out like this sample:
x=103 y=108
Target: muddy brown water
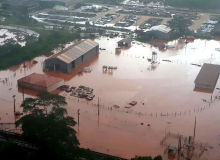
x=165 y=94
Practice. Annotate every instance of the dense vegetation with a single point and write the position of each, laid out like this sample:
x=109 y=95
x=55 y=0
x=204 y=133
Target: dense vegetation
x=202 y=4
x=13 y=54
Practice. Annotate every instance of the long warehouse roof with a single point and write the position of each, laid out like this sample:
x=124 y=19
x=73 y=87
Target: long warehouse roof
x=208 y=74
x=72 y=53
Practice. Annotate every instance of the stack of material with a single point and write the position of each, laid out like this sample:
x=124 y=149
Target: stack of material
x=87 y=69
x=83 y=92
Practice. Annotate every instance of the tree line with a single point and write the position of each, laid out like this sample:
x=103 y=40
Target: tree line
x=14 y=54
x=195 y=4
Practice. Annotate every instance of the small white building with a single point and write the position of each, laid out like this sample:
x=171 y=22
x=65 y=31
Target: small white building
x=208 y=76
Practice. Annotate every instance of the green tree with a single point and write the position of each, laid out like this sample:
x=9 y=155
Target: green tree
x=147 y=158
x=47 y=125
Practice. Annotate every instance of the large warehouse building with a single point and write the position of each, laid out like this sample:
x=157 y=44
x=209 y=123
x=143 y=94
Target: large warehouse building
x=72 y=56
x=208 y=76
x=40 y=82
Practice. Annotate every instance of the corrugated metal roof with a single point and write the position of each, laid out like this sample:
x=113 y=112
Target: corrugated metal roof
x=40 y=80
x=72 y=53
x=161 y=28
x=208 y=74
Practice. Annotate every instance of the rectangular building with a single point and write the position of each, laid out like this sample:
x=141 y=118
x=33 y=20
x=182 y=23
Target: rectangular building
x=40 y=82
x=125 y=42
x=208 y=76
x=72 y=56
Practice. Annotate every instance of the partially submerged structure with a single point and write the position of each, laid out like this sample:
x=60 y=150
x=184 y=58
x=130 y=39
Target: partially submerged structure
x=160 y=31
x=125 y=42
x=208 y=76
x=40 y=82
x=72 y=56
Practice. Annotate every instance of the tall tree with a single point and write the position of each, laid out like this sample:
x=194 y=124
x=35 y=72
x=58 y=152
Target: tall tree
x=47 y=125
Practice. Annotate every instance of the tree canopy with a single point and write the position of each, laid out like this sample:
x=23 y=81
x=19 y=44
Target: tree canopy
x=48 y=126
x=147 y=158
x=203 y=4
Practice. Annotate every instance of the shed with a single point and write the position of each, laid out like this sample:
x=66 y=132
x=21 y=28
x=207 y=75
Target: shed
x=208 y=76
x=125 y=42
x=73 y=56
x=40 y=82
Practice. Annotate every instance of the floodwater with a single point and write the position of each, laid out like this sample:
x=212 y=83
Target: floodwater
x=164 y=94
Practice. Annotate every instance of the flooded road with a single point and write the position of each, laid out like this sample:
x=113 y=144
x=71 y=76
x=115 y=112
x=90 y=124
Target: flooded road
x=166 y=98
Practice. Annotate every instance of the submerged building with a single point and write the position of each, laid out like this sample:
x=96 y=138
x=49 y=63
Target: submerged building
x=208 y=76
x=160 y=31
x=40 y=82
x=72 y=56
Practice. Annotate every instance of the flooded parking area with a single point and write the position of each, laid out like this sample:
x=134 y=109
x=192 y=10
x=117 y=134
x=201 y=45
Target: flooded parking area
x=165 y=96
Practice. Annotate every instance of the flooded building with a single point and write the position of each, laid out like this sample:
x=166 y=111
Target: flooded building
x=125 y=42
x=40 y=82
x=72 y=56
x=208 y=76
x=160 y=31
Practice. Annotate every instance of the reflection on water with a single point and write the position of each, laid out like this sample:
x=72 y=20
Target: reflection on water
x=165 y=94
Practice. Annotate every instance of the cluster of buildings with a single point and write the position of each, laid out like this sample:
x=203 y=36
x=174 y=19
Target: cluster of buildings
x=106 y=19
x=94 y=8
x=63 y=61
x=127 y=21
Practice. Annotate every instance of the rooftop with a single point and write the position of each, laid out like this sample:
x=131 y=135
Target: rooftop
x=73 y=52
x=40 y=80
x=161 y=28
x=125 y=41
x=208 y=74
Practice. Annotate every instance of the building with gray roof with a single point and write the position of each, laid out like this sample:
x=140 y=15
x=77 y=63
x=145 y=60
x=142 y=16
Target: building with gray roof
x=208 y=76
x=72 y=56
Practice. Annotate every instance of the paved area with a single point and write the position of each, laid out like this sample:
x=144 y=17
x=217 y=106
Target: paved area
x=197 y=23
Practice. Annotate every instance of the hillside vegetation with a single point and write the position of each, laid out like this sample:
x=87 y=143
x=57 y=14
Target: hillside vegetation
x=202 y=4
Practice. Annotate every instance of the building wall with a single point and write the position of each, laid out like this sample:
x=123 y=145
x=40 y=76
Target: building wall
x=204 y=86
x=55 y=86
x=51 y=63
x=161 y=35
x=31 y=86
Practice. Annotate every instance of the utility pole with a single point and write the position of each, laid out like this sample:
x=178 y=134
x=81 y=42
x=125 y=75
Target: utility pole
x=195 y=128
x=22 y=88
x=98 y=106
x=14 y=102
x=78 y=115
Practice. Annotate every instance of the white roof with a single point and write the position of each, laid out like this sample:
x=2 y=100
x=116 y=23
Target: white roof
x=161 y=28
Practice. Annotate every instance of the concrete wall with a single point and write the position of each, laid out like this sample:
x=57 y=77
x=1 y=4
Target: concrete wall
x=204 y=86
x=55 y=86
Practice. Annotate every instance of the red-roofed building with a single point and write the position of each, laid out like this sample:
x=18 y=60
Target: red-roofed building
x=40 y=82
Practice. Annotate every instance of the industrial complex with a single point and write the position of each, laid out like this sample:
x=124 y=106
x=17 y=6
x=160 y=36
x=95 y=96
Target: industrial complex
x=72 y=56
